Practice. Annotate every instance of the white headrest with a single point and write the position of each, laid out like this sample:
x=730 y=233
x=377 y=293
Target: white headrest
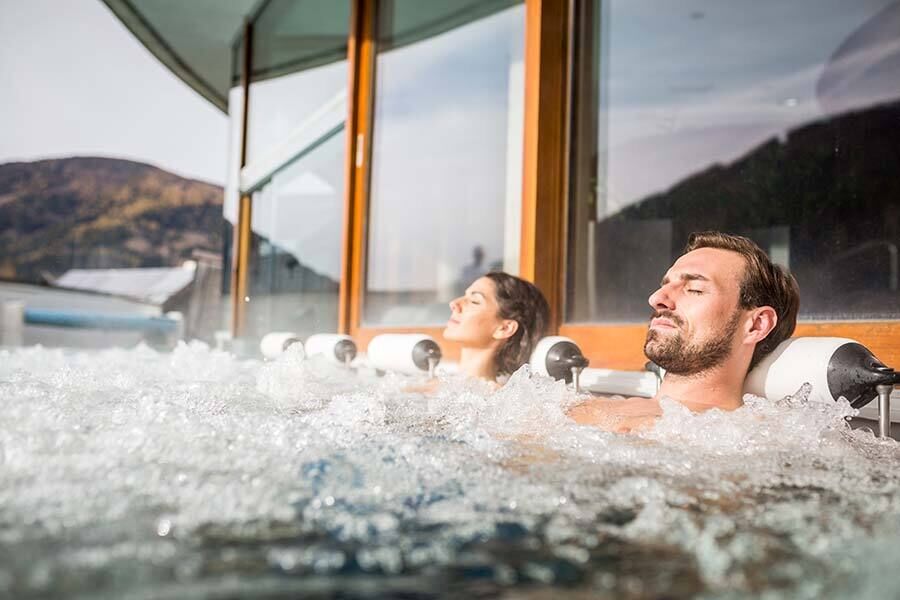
x=794 y=362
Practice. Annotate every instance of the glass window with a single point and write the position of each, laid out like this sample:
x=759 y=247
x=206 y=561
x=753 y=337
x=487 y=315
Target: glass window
x=445 y=186
x=232 y=192
x=296 y=244
x=295 y=161
x=299 y=69
x=775 y=120
x=297 y=35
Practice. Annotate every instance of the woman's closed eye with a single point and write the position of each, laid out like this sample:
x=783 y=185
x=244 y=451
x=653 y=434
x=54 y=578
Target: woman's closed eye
x=475 y=299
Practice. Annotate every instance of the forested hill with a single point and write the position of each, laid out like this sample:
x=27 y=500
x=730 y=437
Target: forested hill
x=101 y=213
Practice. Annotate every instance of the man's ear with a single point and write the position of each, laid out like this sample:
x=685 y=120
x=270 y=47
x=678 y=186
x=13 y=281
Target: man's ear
x=762 y=322
x=506 y=329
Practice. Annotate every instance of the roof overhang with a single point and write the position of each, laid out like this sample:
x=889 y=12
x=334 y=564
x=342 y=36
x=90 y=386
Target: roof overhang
x=197 y=39
x=192 y=39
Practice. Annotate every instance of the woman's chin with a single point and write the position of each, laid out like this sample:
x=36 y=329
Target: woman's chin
x=453 y=333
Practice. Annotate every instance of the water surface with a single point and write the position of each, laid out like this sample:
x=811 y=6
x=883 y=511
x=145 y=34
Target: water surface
x=132 y=473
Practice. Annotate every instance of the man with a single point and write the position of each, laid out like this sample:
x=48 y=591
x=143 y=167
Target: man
x=719 y=310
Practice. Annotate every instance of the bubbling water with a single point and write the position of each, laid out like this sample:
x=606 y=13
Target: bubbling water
x=193 y=473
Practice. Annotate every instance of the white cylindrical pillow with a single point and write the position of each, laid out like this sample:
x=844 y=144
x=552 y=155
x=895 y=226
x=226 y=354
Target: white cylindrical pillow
x=276 y=342
x=401 y=352
x=794 y=362
x=333 y=346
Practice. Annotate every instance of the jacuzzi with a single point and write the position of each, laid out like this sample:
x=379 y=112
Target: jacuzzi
x=195 y=474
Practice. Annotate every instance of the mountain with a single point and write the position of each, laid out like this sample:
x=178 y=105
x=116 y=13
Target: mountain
x=90 y=212
x=838 y=172
x=827 y=193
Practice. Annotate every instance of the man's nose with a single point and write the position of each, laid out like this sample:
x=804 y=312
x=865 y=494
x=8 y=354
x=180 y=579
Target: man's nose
x=661 y=299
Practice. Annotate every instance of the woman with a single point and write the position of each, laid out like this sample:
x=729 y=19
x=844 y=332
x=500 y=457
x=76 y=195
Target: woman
x=498 y=322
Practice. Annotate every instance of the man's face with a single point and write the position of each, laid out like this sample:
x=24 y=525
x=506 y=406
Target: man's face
x=696 y=313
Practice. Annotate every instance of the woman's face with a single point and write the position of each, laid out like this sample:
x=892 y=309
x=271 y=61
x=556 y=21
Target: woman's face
x=474 y=317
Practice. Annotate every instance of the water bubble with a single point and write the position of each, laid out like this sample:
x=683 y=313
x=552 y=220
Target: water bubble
x=163 y=527
x=539 y=572
x=287 y=466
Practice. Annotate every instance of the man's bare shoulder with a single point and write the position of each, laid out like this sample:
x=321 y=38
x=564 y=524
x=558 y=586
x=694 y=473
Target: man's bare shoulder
x=617 y=414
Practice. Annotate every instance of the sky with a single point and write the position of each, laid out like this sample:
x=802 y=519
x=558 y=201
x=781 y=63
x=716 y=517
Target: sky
x=76 y=83
x=707 y=91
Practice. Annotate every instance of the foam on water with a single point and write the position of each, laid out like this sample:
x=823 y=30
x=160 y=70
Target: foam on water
x=195 y=473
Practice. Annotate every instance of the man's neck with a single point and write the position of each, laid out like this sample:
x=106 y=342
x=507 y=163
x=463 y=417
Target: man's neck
x=478 y=362
x=716 y=388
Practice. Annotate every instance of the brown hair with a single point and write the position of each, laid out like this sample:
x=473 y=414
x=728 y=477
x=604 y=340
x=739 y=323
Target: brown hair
x=764 y=284
x=524 y=303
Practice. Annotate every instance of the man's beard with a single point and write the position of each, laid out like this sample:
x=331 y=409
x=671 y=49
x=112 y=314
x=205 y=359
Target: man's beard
x=676 y=356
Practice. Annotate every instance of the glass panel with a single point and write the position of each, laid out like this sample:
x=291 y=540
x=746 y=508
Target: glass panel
x=295 y=35
x=237 y=64
x=445 y=186
x=295 y=161
x=232 y=185
x=288 y=36
x=296 y=246
x=776 y=120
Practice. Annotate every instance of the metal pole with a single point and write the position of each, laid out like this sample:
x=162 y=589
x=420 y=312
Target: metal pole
x=178 y=331
x=576 y=375
x=12 y=323
x=884 y=410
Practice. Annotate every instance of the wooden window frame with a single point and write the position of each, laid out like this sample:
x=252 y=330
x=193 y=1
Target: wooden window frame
x=242 y=234
x=544 y=169
x=360 y=93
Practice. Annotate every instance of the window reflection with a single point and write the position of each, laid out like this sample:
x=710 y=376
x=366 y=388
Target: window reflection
x=774 y=120
x=446 y=155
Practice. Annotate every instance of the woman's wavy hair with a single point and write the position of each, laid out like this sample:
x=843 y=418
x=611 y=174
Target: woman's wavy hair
x=522 y=302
